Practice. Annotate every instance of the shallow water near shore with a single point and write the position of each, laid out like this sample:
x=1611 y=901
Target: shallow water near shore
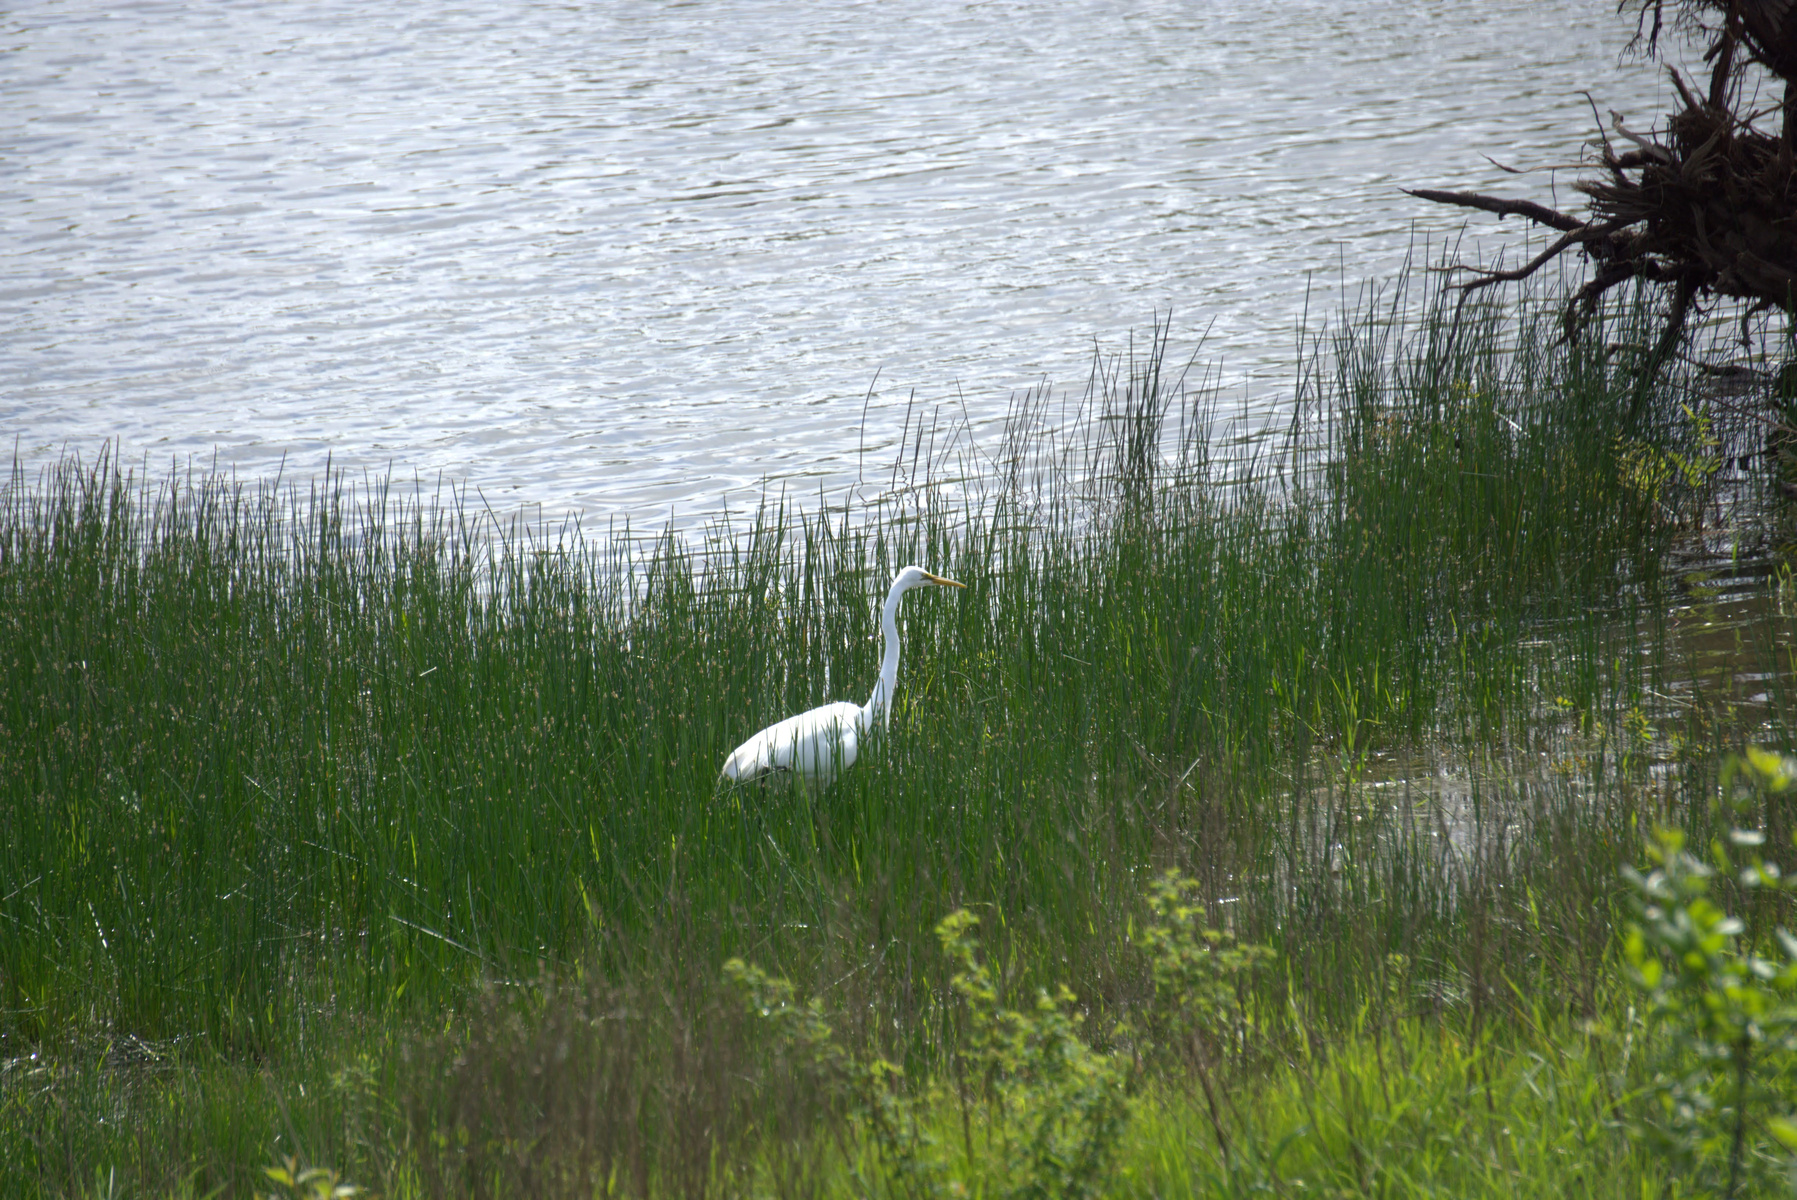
x=629 y=262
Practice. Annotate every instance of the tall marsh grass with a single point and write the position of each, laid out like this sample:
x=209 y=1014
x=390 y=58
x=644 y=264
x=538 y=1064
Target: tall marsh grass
x=274 y=759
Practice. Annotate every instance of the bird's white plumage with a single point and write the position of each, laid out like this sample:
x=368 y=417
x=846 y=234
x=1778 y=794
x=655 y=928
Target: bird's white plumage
x=825 y=741
x=817 y=744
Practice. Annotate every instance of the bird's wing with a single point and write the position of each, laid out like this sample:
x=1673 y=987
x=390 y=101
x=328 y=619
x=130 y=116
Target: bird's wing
x=815 y=743
x=823 y=740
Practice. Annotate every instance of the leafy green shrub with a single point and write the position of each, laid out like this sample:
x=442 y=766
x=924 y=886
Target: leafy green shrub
x=1199 y=976
x=1058 y=1107
x=1051 y=1109
x=1042 y=1111
x=1722 y=1080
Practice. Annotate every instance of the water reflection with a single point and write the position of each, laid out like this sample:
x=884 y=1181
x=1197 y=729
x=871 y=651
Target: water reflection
x=624 y=259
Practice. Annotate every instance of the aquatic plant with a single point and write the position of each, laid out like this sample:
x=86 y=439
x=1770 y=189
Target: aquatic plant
x=281 y=767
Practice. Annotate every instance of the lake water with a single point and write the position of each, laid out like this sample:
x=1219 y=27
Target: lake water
x=630 y=259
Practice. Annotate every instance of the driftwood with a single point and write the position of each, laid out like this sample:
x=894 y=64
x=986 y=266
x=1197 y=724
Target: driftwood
x=1704 y=206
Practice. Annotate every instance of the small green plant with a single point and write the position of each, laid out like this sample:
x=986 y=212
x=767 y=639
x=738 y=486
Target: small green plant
x=1199 y=976
x=1042 y=1112
x=865 y=1091
x=1059 y=1107
x=868 y=1092
x=1656 y=471
x=306 y=1183
x=1721 y=1084
x=1051 y=1109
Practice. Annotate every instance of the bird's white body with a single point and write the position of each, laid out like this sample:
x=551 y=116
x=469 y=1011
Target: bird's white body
x=817 y=744
x=820 y=744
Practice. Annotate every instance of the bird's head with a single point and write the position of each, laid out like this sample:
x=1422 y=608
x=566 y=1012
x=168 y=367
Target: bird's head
x=912 y=577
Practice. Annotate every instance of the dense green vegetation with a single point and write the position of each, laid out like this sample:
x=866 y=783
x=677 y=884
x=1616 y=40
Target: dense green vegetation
x=341 y=824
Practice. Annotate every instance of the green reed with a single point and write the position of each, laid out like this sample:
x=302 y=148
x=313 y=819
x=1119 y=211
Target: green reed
x=273 y=758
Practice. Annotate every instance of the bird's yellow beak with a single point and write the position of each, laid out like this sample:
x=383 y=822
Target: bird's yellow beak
x=944 y=582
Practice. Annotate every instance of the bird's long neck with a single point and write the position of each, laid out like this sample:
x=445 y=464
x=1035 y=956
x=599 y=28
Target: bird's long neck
x=879 y=705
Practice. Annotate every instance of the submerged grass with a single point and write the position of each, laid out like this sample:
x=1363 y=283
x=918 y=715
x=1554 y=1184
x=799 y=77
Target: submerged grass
x=288 y=771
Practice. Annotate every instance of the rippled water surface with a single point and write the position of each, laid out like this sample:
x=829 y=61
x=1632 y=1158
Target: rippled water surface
x=626 y=258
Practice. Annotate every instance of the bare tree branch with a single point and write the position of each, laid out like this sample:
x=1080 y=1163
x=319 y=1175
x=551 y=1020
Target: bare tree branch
x=1503 y=208
x=1703 y=205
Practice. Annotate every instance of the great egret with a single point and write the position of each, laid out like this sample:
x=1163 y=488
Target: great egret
x=819 y=743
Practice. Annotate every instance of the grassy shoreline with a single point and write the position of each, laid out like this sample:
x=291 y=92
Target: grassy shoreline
x=299 y=786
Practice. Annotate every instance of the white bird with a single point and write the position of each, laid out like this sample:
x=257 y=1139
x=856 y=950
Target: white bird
x=819 y=743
